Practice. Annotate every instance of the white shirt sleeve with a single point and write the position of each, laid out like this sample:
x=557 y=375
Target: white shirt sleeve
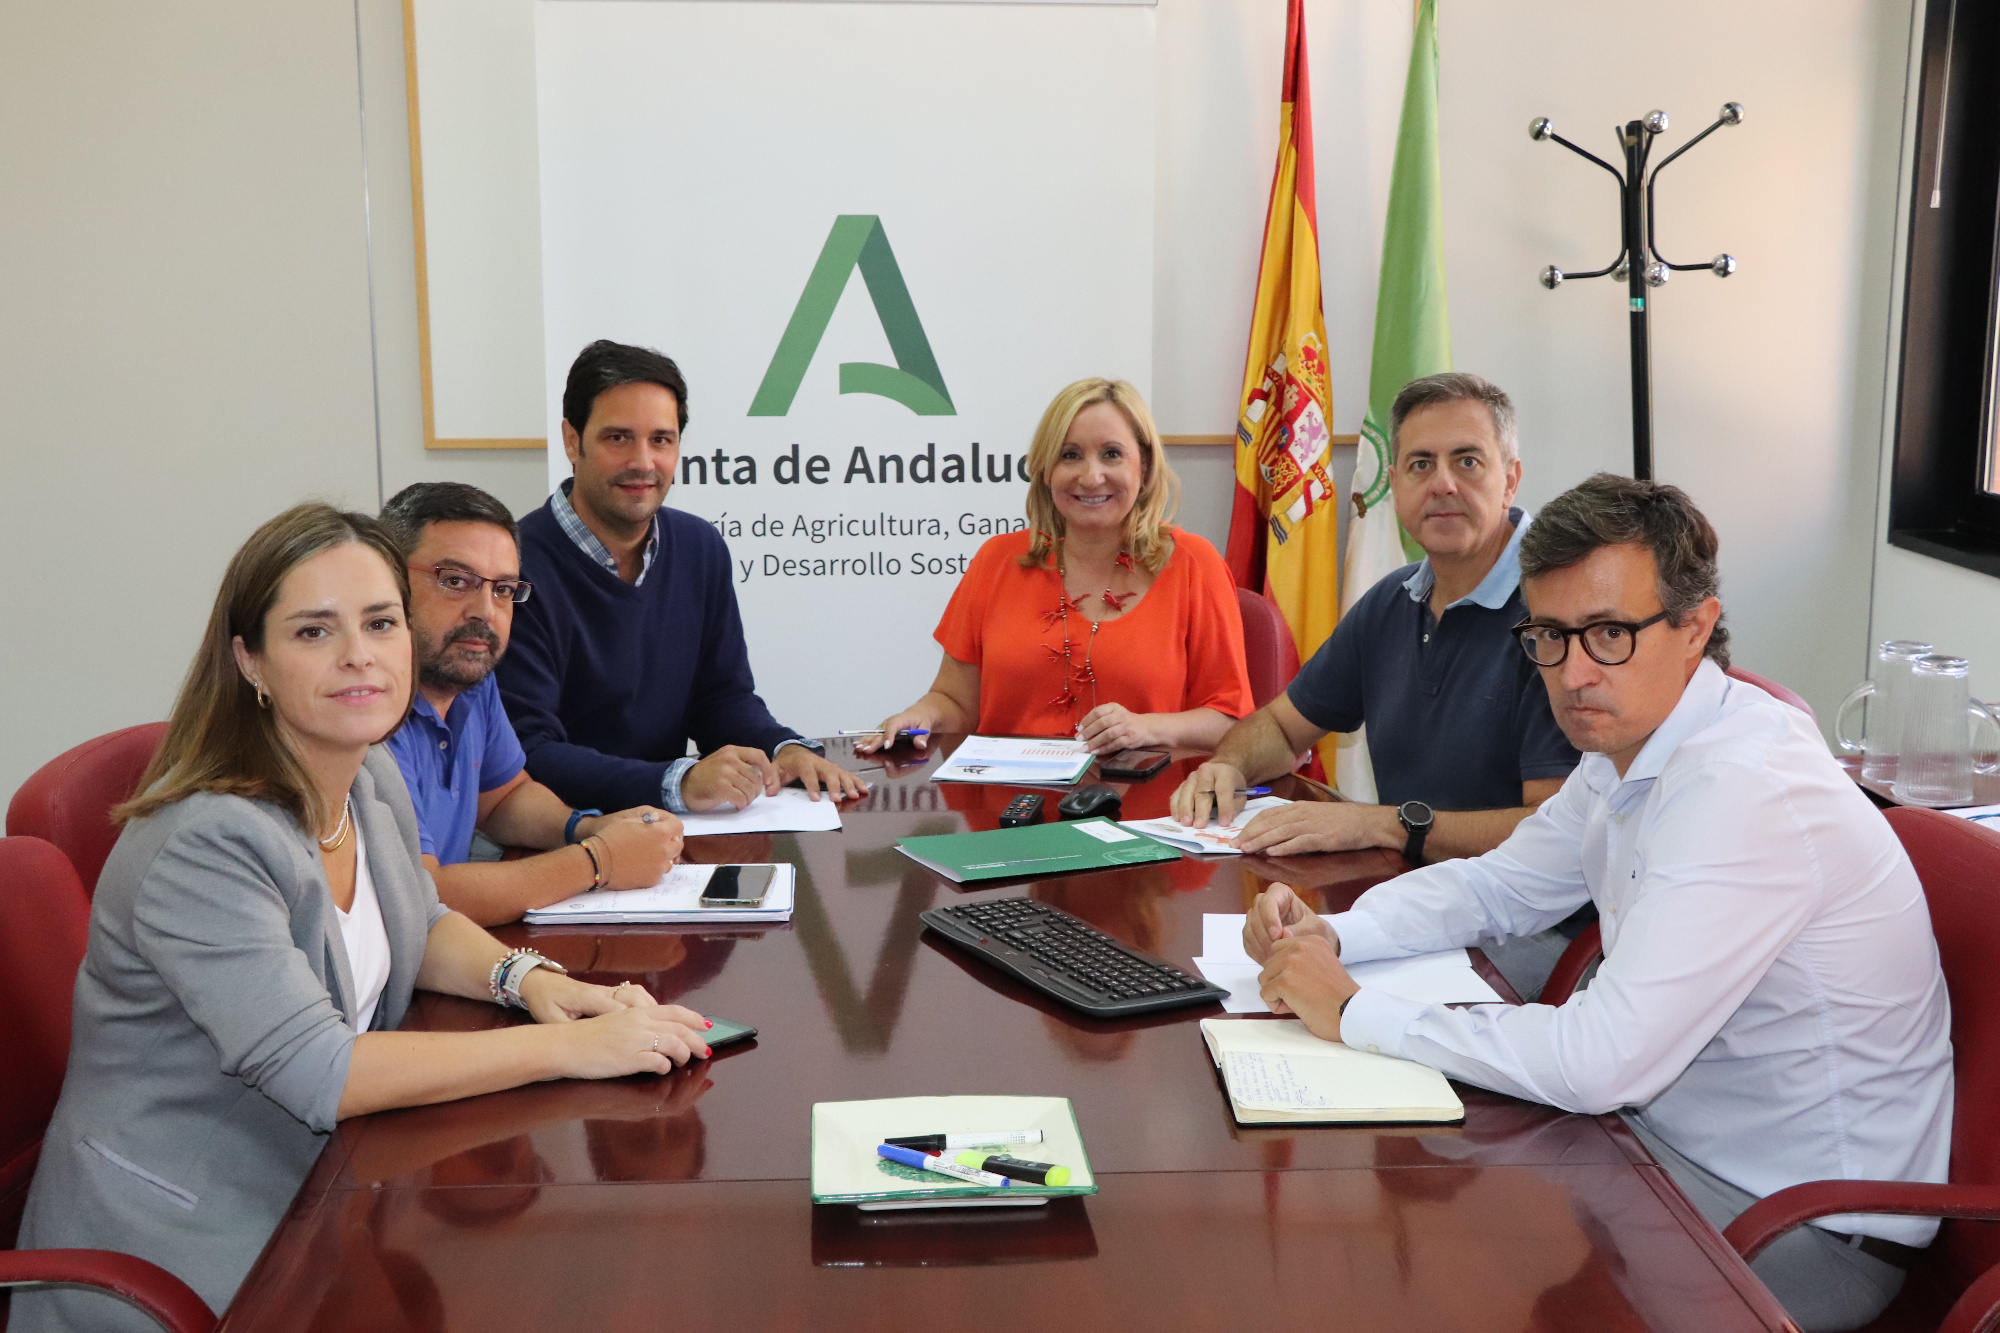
x=1720 y=881
x=1525 y=885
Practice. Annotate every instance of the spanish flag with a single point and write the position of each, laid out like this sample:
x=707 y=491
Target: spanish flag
x=1282 y=533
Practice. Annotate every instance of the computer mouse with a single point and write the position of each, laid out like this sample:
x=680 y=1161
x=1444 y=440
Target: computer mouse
x=1090 y=801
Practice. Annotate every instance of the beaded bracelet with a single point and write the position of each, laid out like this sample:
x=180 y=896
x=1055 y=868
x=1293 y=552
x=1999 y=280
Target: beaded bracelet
x=596 y=866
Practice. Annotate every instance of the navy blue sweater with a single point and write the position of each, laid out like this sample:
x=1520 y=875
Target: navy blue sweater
x=606 y=682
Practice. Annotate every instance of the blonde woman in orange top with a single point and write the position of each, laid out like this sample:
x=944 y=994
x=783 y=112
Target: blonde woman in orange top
x=1100 y=621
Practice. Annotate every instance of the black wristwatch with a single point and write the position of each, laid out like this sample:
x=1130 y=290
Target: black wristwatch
x=1416 y=819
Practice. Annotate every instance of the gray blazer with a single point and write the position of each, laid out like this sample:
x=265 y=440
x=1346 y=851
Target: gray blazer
x=213 y=1026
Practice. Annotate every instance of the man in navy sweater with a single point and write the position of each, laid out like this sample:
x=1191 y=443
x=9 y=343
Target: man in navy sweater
x=633 y=645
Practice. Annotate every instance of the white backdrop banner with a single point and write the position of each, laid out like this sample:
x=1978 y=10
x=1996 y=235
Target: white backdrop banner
x=875 y=257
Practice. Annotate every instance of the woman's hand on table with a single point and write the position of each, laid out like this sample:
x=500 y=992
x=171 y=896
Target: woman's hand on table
x=1109 y=728
x=611 y=1031
x=910 y=719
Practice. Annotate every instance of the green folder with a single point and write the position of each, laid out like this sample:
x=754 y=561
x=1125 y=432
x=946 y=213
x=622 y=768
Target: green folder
x=1038 y=850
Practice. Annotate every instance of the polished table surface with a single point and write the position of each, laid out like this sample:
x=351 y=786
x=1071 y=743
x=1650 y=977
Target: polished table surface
x=683 y=1200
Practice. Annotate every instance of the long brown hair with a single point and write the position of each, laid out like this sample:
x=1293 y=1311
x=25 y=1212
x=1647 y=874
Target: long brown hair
x=1159 y=489
x=219 y=739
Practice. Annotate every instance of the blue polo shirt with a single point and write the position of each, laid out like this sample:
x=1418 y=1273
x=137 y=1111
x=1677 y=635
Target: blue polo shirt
x=1457 y=715
x=447 y=764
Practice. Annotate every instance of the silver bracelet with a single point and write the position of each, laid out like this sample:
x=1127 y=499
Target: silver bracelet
x=511 y=971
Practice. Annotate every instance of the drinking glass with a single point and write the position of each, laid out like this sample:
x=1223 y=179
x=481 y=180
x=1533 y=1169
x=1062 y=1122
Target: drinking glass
x=1936 y=766
x=1883 y=731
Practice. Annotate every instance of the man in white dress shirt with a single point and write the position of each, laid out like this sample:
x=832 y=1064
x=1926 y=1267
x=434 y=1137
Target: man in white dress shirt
x=1770 y=1005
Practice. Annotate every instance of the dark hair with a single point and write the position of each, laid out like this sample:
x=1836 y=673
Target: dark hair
x=1456 y=386
x=1609 y=510
x=218 y=738
x=605 y=365
x=416 y=507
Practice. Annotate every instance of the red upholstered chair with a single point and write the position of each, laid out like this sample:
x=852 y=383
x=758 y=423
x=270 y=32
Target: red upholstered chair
x=44 y=925
x=1959 y=864
x=68 y=800
x=1774 y=689
x=1268 y=649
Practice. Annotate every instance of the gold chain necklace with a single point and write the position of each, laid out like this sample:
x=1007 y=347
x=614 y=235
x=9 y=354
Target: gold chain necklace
x=339 y=836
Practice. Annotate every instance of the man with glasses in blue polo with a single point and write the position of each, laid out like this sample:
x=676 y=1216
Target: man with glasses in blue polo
x=458 y=752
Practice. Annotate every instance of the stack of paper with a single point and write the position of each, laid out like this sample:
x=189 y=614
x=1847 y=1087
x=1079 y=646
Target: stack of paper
x=675 y=899
x=1277 y=1072
x=1016 y=760
x=847 y=1169
x=1428 y=978
x=1216 y=838
x=790 y=811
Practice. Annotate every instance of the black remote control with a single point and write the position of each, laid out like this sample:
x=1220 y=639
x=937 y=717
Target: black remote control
x=1023 y=809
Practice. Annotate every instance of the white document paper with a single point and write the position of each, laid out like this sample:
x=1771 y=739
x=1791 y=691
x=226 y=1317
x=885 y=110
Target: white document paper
x=1988 y=815
x=1445 y=977
x=1017 y=760
x=1216 y=838
x=790 y=811
x=675 y=899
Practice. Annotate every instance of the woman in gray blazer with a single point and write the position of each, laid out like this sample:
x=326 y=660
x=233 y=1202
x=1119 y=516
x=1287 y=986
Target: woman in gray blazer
x=258 y=931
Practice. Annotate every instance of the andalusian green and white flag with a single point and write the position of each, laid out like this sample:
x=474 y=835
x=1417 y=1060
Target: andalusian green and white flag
x=1412 y=339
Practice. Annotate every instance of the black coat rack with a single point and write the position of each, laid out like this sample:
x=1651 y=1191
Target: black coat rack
x=1636 y=210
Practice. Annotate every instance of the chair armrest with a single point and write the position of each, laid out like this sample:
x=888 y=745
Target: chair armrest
x=170 y=1301
x=1771 y=1217
x=1584 y=950
x=1978 y=1308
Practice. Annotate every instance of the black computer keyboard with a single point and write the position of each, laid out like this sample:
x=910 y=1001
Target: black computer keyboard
x=1067 y=958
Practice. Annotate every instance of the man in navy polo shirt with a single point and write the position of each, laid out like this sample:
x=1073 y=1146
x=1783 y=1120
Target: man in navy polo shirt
x=1459 y=728
x=458 y=753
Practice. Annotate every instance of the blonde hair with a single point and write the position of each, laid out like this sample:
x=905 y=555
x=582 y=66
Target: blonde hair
x=1159 y=489
x=219 y=739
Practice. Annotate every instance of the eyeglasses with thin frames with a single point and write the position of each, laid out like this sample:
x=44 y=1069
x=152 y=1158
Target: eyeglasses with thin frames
x=1609 y=642
x=463 y=583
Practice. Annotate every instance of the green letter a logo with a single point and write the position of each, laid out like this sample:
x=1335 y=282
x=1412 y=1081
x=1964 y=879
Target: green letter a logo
x=857 y=241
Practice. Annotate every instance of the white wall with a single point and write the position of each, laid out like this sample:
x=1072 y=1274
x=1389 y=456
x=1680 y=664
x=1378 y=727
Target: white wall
x=185 y=350
x=186 y=252
x=1768 y=384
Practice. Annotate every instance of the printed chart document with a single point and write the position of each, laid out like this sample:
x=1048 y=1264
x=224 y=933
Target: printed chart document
x=1216 y=838
x=1445 y=977
x=1988 y=815
x=676 y=899
x=790 y=811
x=1277 y=1072
x=1032 y=760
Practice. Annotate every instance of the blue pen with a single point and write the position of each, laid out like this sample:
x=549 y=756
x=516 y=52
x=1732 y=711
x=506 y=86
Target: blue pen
x=877 y=731
x=1253 y=791
x=944 y=1167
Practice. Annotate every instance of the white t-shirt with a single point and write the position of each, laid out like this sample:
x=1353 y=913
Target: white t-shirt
x=366 y=938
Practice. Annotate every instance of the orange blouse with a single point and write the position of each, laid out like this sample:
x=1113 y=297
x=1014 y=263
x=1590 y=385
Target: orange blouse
x=1181 y=647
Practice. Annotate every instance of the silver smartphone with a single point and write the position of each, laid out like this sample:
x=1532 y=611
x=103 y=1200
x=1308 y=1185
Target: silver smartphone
x=738 y=886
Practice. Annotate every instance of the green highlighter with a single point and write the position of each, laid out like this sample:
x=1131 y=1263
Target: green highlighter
x=1028 y=1173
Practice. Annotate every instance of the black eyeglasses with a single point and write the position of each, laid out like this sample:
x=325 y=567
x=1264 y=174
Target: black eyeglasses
x=1609 y=642
x=463 y=582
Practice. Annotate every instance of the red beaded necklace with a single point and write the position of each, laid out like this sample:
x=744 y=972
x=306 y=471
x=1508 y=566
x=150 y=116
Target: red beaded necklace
x=1078 y=677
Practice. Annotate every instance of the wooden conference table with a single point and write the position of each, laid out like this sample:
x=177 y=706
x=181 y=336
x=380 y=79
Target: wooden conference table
x=683 y=1201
